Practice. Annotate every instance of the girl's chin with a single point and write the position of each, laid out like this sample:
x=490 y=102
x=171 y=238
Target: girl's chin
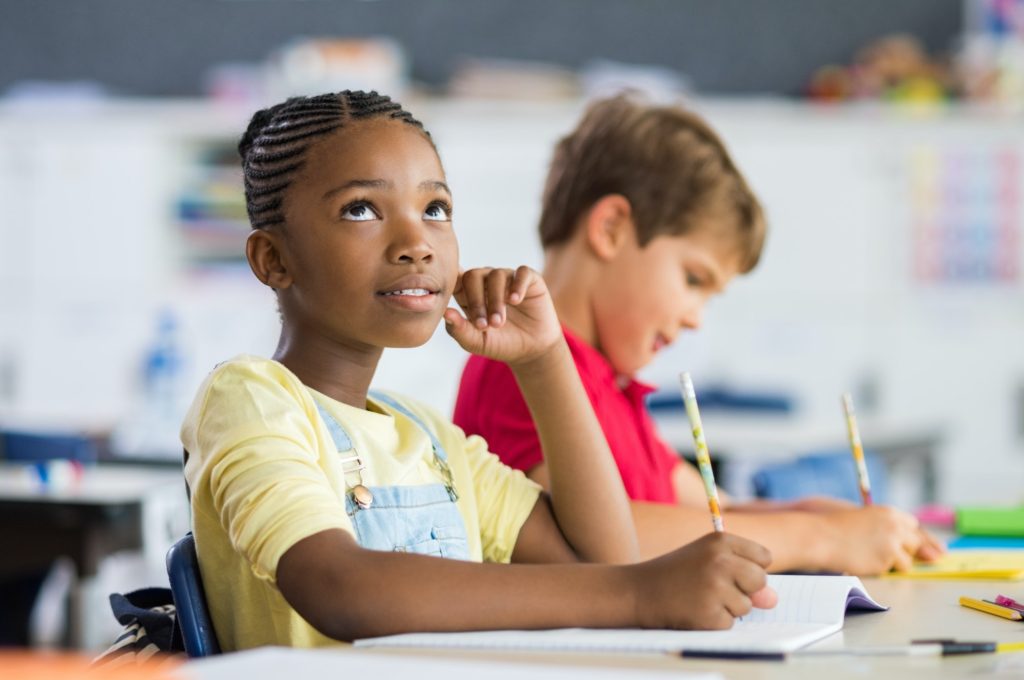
x=412 y=337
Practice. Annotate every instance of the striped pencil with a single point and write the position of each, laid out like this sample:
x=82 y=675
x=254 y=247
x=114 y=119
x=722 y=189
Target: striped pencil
x=701 y=446
x=857 y=449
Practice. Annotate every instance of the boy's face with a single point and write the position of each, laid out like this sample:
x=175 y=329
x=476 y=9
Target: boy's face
x=647 y=296
x=368 y=238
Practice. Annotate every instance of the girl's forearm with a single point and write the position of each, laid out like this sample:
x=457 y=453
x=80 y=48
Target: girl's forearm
x=352 y=593
x=589 y=501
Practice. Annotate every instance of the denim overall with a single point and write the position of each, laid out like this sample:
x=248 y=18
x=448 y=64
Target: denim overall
x=419 y=519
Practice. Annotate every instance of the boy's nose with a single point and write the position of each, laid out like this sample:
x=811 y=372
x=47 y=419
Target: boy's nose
x=692 y=317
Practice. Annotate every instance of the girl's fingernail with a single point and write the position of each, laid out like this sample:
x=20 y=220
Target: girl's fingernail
x=481 y=322
x=514 y=297
x=496 y=319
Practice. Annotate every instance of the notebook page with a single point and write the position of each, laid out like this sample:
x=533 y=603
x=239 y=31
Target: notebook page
x=775 y=637
x=788 y=627
x=813 y=599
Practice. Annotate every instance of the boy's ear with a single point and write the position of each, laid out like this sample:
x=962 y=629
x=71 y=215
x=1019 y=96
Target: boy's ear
x=263 y=251
x=609 y=224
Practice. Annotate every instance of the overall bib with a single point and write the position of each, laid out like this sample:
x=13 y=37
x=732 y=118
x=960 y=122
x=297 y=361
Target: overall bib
x=419 y=519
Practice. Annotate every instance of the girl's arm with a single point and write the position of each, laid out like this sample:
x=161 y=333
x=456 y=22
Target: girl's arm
x=347 y=592
x=510 y=317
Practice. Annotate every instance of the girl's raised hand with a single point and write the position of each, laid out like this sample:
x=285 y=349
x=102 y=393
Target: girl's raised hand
x=509 y=315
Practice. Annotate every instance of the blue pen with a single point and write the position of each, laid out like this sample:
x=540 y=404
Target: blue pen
x=740 y=656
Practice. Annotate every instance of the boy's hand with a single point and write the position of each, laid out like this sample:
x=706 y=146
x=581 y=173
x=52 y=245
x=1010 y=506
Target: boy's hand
x=872 y=540
x=509 y=314
x=931 y=548
x=703 y=585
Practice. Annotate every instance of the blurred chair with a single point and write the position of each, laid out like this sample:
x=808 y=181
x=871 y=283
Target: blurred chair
x=190 y=599
x=828 y=473
x=37 y=447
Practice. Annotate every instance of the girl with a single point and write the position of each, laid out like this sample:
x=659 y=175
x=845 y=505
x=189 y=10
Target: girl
x=320 y=509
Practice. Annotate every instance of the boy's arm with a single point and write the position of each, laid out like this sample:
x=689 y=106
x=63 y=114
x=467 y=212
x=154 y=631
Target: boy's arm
x=863 y=541
x=510 y=317
x=833 y=511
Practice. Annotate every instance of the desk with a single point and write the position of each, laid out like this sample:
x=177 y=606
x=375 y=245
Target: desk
x=88 y=521
x=920 y=609
x=909 y=449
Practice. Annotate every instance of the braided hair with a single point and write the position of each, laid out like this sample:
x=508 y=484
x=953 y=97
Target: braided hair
x=274 y=145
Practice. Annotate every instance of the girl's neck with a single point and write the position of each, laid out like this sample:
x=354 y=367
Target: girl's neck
x=340 y=373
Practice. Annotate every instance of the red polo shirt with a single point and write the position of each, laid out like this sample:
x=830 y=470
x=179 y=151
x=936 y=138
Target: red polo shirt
x=490 y=405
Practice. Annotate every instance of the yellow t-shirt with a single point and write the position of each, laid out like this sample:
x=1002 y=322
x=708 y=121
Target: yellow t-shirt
x=264 y=474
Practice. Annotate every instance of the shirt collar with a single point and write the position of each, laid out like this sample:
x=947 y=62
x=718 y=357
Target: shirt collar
x=591 y=361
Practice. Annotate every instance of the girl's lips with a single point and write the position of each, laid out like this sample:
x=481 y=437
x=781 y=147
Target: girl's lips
x=660 y=342
x=412 y=299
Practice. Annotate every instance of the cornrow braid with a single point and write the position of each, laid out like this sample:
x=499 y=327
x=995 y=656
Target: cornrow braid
x=274 y=145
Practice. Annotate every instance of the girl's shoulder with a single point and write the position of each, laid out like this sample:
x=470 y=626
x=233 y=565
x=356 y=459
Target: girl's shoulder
x=247 y=378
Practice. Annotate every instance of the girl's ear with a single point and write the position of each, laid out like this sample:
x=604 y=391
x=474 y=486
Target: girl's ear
x=608 y=225
x=263 y=250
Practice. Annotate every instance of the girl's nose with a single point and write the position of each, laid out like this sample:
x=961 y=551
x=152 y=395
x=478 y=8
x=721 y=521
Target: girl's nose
x=409 y=243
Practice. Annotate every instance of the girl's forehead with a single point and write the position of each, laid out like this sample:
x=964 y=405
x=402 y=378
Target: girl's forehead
x=376 y=140
x=386 y=150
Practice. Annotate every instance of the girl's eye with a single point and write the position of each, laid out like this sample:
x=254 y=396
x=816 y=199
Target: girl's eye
x=693 y=280
x=358 y=212
x=438 y=212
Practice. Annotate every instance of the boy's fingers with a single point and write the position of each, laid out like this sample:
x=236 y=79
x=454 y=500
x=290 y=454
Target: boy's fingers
x=903 y=562
x=931 y=545
x=497 y=285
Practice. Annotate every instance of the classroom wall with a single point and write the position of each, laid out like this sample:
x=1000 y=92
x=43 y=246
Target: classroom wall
x=165 y=48
x=92 y=252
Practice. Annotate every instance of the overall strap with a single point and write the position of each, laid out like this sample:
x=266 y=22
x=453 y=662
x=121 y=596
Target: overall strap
x=338 y=434
x=393 y=403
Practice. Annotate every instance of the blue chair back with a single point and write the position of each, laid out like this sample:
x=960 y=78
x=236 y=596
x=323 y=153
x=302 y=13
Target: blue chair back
x=829 y=473
x=190 y=599
x=37 y=447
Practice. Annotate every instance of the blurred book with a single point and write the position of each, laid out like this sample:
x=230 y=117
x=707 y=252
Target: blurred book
x=312 y=66
x=512 y=79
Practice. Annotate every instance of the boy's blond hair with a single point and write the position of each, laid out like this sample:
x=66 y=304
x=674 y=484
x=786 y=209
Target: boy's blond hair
x=670 y=165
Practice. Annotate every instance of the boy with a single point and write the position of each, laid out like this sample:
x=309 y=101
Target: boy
x=645 y=217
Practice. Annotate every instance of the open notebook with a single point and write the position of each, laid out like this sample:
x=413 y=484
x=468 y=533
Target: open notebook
x=810 y=608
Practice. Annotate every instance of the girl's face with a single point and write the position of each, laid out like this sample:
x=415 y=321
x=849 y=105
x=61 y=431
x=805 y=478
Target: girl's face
x=368 y=238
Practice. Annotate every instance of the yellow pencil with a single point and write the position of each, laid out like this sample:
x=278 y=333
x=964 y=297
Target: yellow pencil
x=990 y=608
x=701 y=446
x=1010 y=647
x=857 y=449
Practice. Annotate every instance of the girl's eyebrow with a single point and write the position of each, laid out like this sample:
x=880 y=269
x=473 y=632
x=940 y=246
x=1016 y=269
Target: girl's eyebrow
x=435 y=185
x=428 y=185
x=360 y=183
